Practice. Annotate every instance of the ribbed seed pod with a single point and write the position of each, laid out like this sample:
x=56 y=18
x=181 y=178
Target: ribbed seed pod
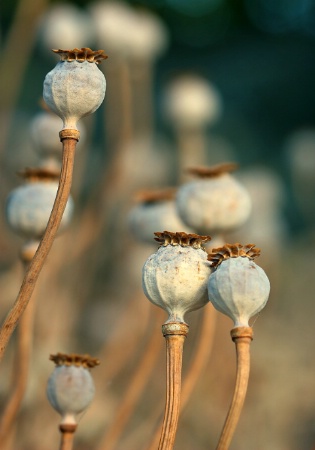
x=214 y=203
x=237 y=287
x=70 y=388
x=75 y=87
x=29 y=206
x=155 y=211
x=175 y=277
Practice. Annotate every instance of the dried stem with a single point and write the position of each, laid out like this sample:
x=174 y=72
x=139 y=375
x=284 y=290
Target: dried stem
x=197 y=365
x=242 y=336
x=69 y=139
x=175 y=334
x=191 y=150
x=24 y=344
x=67 y=436
x=136 y=386
x=112 y=347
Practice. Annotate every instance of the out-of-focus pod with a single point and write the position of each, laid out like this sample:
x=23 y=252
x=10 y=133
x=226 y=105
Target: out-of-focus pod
x=215 y=202
x=155 y=210
x=29 y=206
x=45 y=128
x=70 y=387
x=64 y=25
x=191 y=102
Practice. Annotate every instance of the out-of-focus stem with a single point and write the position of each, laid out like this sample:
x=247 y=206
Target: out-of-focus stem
x=135 y=387
x=24 y=24
x=67 y=436
x=191 y=150
x=113 y=345
x=22 y=369
x=24 y=346
x=69 y=139
x=242 y=336
x=175 y=334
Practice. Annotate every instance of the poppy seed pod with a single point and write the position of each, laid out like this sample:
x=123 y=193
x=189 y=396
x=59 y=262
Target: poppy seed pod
x=175 y=277
x=75 y=87
x=214 y=203
x=192 y=102
x=237 y=287
x=29 y=206
x=155 y=210
x=70 y=388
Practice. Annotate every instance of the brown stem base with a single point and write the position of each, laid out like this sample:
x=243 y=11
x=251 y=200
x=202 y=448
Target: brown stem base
x=175 y=334
x=67 y=436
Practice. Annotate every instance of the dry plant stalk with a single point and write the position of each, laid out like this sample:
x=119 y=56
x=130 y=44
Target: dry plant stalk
x=201 y=357
x=24 y=24
x=175 y=334
x=67 y=436
x=242 y=336
x=136 y=386
x=69 y=140
x=24 y=347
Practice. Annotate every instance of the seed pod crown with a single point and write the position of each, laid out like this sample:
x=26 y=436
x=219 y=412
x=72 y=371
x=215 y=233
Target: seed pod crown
x=181 y=238
x=232 y=251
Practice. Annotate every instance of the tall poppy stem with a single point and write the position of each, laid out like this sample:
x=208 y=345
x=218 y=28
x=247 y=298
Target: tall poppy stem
x=242 y=336
x=69 y=140
x=175 y=334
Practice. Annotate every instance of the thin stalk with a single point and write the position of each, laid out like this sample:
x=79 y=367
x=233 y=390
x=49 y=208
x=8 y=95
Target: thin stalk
x=197 y=365
x=242 y=336
x=69 y=139
x=24 y=344
x=175 y=334
x=112 y=349
x=67 y=436
x=192 y=150
x=136 y=386
x=24 y=24
x=21 y=369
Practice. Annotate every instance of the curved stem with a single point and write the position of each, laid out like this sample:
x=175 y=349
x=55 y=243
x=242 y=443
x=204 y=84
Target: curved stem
x=21 y=369
x=175 y=334
x=25 y=339
x=69 y=139
x=67 y=436
x=201 y=353
x=242 y=336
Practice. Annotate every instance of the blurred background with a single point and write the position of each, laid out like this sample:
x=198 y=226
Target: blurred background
x=188 y=83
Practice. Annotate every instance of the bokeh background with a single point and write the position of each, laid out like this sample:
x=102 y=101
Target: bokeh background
x=257 y=59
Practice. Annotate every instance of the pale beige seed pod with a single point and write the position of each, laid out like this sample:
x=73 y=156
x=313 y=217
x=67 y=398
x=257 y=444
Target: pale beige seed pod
x=76 y=87
x=28 y=207
x=192 y=102
x=237 y=287
x=64 y=24
x=155 y=210
x=149 y=37
x=109 y=19
x=70 y=387
x=175 y=277
x=215 y=202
